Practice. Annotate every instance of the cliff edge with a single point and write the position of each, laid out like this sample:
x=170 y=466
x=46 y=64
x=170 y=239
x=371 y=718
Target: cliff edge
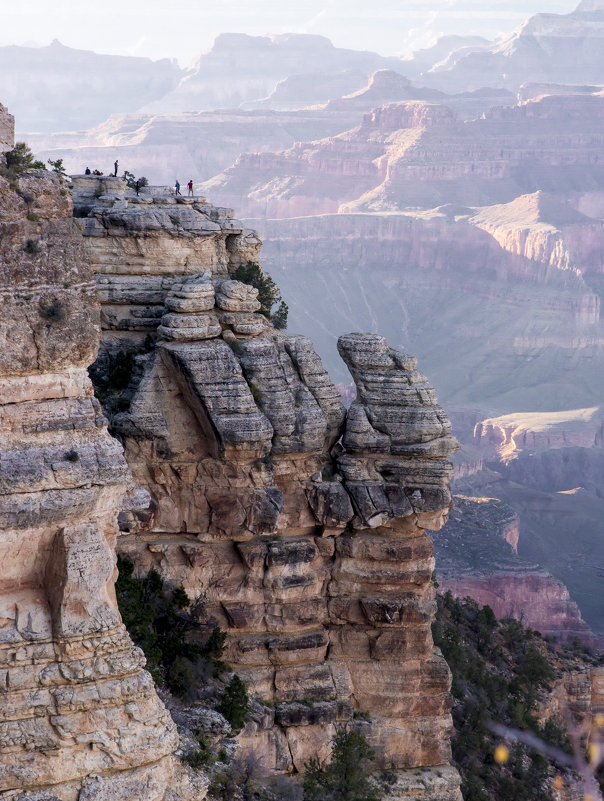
x=79 y=715
x=247 y=481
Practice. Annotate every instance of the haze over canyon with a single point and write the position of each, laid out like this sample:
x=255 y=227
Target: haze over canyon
x=288 y=468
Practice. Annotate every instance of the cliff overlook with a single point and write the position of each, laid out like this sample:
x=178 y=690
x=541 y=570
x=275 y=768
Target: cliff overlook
x=248 y=483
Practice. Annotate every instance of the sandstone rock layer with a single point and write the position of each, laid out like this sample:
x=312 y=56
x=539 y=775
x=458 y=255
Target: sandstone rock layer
x=79 y=715
x=301 y=523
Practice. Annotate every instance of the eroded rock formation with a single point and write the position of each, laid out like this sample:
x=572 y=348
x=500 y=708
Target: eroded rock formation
x=422 y=155
x=79 y=715
x=311 y=550
x=477 y=556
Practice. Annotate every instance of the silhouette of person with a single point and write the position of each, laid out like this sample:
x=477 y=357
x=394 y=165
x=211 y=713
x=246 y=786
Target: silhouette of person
x=115 y=168
x=190 y=188
x=177 y=187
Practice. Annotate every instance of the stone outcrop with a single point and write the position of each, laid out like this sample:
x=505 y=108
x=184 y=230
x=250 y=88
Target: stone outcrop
x=143 y=247
x=319 y=571
x=79 y=715
x=311 y=552
x=7 y=130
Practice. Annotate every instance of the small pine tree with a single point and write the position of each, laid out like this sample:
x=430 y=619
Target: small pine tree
x=155 y=622
x=132 y=180
x=180 y=599
x=234 y=703
x=20 y=158
x=215 y=645
x=345 y=778
x=58 y=167
x=268 y=292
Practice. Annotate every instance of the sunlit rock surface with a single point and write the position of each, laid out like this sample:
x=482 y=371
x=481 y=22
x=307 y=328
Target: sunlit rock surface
x=312 y=552
x=79 y=715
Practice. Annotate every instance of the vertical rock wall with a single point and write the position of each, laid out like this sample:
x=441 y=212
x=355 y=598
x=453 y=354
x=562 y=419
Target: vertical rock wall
x=7 y=130
x=79 y=715
x=303 y=525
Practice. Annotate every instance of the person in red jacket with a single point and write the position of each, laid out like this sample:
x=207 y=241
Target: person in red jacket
x=190 y=188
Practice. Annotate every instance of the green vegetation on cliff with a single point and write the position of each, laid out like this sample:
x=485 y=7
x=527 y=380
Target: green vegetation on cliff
x=501 y=670
x=268 y=292
x=183 y=651
x=158 y=624
x=345 y=777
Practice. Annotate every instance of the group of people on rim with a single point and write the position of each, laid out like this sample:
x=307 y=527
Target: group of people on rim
x=190 y=192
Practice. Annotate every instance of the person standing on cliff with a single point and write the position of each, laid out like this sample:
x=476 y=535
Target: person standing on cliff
x=177 y=187
x=190 y=188
x=115 y=163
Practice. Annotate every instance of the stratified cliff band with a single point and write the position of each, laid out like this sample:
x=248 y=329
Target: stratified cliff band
x=79 y=715
x=302 y=523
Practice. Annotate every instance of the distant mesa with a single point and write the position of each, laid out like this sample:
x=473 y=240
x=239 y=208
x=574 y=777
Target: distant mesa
x=59 y=88
x=422 y=155
x=310 y=89
x=556 y=48
x=241 y=69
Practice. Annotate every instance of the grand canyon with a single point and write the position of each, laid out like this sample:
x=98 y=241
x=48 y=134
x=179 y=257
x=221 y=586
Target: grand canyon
x=302 y=487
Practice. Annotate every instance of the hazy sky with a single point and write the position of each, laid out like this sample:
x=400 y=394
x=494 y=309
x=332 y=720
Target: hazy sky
x=182 y=28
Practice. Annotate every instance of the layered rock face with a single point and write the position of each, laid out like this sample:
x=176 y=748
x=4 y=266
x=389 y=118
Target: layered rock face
x=422 y=155
x=79 y=715
x=313 y=555
x=477 y=556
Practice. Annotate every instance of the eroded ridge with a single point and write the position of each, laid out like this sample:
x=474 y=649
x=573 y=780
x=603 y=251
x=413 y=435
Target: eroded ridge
x=302 y=522
x=79 y=715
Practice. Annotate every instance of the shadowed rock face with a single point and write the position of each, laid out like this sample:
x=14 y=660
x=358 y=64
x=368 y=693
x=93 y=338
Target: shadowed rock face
x=303 y=524
x=76 y=700
x=477 y=555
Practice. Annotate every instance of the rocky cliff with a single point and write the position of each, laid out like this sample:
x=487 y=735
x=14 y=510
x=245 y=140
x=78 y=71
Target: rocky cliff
x=312 y=553
x=79 y=715
x=246 y=480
